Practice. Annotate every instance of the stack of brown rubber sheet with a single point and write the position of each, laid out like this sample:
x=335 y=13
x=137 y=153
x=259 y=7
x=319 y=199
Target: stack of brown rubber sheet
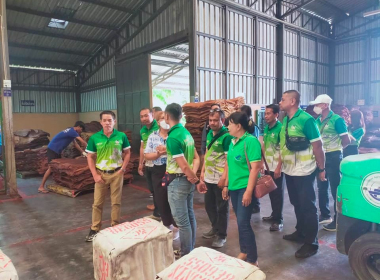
x=196 y=115
x=75 y=173
x=30 y=150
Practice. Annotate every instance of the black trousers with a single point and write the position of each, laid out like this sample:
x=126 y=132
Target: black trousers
x=160 y=195
x=302 y=197
x=350 y=150
x=217 y=209
x=333 y=175
x=149 y=180
x=277 y=199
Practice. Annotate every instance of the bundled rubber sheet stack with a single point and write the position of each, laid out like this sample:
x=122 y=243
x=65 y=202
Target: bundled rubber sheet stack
x=30 y=150
x=76 y=175
x=196 y=115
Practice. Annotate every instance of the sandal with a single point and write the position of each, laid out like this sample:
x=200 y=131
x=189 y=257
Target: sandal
x=43 y=191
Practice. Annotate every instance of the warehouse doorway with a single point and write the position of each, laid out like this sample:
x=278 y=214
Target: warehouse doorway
x=170 y=76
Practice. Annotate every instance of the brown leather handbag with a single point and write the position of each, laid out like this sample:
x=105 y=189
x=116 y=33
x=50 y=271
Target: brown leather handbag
x=265 y=184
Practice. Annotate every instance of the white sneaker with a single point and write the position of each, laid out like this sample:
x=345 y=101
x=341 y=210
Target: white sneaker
x=175 y=231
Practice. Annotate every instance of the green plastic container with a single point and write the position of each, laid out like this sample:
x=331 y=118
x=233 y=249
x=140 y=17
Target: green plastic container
x=359 y=190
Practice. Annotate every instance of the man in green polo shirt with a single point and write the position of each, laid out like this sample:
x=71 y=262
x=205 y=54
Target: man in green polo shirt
x=335 y=138
x=107 y=166
x=149 y=126
x=212 y=179
x=272 y=155
x=182 y=165
x=302 y=157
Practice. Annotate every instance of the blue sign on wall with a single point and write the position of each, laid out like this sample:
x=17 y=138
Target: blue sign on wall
x=27 y=103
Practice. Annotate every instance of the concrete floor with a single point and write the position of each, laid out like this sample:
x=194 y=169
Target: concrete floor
x=44 y=236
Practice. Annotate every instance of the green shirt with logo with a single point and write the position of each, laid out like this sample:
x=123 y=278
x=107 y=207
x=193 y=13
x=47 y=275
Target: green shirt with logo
x=215 y=158
x=145 y=132
x=238 y=171
x=332 y=128
x=179 y=143
x=272 y=145
x=108 y=149
x=301 y=163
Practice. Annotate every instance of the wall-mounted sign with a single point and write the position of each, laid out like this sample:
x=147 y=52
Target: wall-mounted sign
x=361 y=102
x=27 y=103
x=375 y=114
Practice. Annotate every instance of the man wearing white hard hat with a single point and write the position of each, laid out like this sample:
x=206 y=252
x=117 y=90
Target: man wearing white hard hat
x=335 y=138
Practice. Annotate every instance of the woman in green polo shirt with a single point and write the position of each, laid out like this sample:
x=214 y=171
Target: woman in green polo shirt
x=356 y=131
x=244 y=149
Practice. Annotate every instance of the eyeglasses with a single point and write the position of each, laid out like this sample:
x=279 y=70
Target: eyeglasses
x=215 y=110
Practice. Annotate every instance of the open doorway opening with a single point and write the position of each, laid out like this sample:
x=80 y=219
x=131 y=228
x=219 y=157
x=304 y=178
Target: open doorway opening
x=170 y=76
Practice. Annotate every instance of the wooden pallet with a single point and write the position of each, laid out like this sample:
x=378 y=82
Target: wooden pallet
x=69 y=192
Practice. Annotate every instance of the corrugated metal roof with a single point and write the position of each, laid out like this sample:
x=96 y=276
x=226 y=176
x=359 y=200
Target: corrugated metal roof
x=335 y=10
x=21 y=20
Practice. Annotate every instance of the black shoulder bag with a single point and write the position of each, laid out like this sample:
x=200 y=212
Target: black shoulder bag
x=216 y=137
x=295 y=144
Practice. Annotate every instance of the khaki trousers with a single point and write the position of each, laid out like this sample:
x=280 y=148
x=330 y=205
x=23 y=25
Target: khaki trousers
x=115 y=181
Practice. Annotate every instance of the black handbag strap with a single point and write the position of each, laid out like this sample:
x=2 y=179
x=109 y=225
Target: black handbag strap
x=216 y=137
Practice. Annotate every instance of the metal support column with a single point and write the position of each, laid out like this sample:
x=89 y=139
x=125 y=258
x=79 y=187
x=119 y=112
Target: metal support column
x=193 y=50
x=299 y=61
x=367 y=71
x=280 y=36
x=256 y=61
x=227 y=94
x=332 y=46
x=6 y=98
x=316 y=69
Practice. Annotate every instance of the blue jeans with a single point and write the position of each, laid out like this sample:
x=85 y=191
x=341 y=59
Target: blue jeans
x=180 y=196
x=243 y=214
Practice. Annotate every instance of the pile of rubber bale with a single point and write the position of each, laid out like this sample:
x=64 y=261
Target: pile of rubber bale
x=30 y=150
x=76 y=175
x=90 y=129
x=196 y=115
x=129 y=135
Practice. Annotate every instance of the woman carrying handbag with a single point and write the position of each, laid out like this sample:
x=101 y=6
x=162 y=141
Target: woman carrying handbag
x=242 y=179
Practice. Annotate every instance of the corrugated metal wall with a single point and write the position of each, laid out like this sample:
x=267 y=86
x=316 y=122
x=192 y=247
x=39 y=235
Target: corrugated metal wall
x=99 y=99
x=173 y=20
x=357 y=63
x=349 y=72
x=306 y=65
x=246 y=65
x=246 y=76
x=52 y=92
x=375 y=70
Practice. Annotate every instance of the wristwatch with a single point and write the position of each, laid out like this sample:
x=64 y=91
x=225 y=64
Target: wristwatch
x=197 y=182
x=123 y=170
x=321 y=170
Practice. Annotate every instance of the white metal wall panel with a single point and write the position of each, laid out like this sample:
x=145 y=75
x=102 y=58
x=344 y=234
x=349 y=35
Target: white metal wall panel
x=349 y=95
x=308 y=48
x=99 y=100
x=307 y=93
x=375 y=93
x=349 y=74
x=350 y=52
x=45 y=101
x=211 y=85
x=323 y=75
x=306 y=64
x=211 y=64
x=322 y=90
x=266 y=60
x=211 y=52
x=291 y=68
x=308 y=72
